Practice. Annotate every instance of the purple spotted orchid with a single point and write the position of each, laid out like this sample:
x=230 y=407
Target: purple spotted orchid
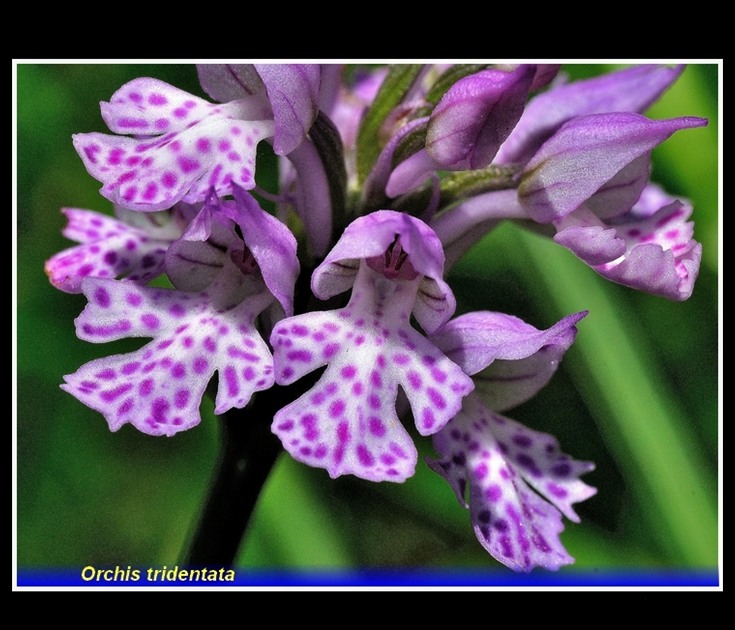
x=386 y=177
x=132 y=245
x=347 y=423
x=179 y=146
x=206 y=324
x=516 y=481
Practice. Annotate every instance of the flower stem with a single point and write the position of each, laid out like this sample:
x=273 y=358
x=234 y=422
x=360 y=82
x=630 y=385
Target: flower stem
x=247 y=454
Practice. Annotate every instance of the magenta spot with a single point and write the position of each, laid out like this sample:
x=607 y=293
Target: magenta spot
x=233 y=156
x=427 y=418
x=111 y=394
x=168 y=179
x=357 y=389
x=110 y=258
x=93 y=234
x=200 y=365
x=311 y=432
x=331 y=389
x=231 y=380
x=287 y=372
x=132 y=123
x=85 y=270
x=178 y=370
x=162 y=346
x=285 y=426
x=187 y=165
x=348 y=371
x=299 y=331
x=130 y=368
x=337 y=408
x=374 y=401
x=330 y=350
x=318 y=336
x=321 y=451
x=180 y=112
x=161 y=123
x=387 y=459
x=89 y=385
x=224 y=145
x=493 y=493
x=177 y=310
x=438 y=375
x=203 y=145
x=343 y=432
x=157 y=99
x=305 y=450
x=102 y=297
x=397 y=450
x=235 y=131
x=209 y=344
x=401 y=359
x=330 y=327
x=436 y=398
x=359 y=340
x=131 y=245
x=126 y=407
x=133 y=299
x=364 y=455
x=150 y=321
x=414 y=380
x=672 y=234
x=248 y=373
x=106 y=374
x=381 y=361
x=481 y=471
x=130 y=193
x=317 y=398
x=556 y=490
x=522 y=440
x=159 y=407
x=299 y=355
x=377 y=428
x=115 y=156
x=181 y=398
x=145 y=387
x=375 y=379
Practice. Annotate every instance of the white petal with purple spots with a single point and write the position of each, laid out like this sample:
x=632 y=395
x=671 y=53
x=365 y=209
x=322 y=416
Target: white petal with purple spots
x=159 y=387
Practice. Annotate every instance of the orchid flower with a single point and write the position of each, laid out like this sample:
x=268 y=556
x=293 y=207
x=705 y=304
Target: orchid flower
x=207 y=324
x=516 y=481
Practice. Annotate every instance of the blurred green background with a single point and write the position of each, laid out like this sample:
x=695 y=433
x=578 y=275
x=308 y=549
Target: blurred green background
x=637 y=393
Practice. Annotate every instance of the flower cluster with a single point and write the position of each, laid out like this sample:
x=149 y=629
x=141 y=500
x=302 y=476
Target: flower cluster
x=387 y=176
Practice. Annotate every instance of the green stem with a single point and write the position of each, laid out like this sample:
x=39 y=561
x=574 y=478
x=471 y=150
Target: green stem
x=248 y=452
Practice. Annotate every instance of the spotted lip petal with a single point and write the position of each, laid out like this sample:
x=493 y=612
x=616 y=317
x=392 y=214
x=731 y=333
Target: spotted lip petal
x=585 y=154
x=651 y=248
x=348 y=422
x=371 y=236
x=497 y=459
x=183 y=147
x=632 y=89
x=159 y=387
x=109 y=248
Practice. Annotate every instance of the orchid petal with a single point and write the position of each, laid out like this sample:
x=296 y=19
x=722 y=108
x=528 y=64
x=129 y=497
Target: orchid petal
x=109 y=249
x=632 y=89
x=584 y=154
x=497 y=458
x=159 y=388
x=348 y=423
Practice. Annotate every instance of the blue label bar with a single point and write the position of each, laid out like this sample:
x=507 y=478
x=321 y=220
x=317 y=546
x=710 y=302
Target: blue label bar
x=179 y=576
